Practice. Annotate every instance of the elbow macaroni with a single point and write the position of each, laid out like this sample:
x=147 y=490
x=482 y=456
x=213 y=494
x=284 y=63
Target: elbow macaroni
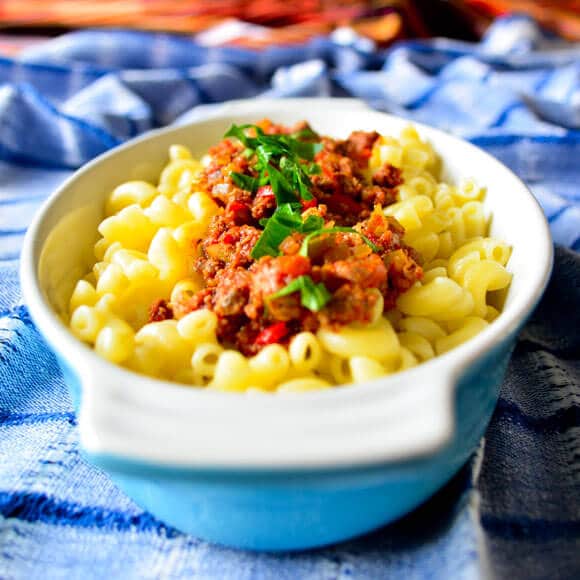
x=148 y=246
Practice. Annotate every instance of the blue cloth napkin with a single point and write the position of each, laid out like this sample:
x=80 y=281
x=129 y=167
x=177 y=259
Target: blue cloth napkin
x=513 y=511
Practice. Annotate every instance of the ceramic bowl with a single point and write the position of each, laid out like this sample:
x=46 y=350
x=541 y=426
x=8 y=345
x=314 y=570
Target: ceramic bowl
x=277 y=472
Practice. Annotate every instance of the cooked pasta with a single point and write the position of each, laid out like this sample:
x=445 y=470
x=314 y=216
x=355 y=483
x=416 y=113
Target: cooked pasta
x=373 y=267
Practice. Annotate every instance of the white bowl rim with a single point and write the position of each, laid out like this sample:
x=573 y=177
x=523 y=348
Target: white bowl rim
x=123 y=414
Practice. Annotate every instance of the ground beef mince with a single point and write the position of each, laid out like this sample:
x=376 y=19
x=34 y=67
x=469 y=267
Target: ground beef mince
x=356 y=266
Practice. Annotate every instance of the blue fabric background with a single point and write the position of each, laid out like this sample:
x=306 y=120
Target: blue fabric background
x=513 y=511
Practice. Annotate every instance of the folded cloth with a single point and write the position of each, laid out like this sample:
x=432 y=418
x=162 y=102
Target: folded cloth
x=514 y=510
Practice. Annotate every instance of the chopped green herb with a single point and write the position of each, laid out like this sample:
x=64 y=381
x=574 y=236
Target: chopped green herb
x=304 y=248
x=283 y=161
x=307 y=134
x=312 y=168
x=282 y=189
x=311 y=224
x=312 y=296
x=298 y=177
x=304 y=149
x=284 y=221
x=245 y=181
x=239 y=132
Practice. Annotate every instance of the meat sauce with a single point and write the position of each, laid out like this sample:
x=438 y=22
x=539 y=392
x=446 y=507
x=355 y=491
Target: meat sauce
x=239 y=288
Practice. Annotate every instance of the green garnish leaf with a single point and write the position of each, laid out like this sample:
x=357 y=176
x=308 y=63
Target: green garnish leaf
x=284 y=221
x=311 y=224
x=282 y=189
x=239 y=132
x=297 y=176
x=304 y=248
x=304 y=149
x=283 y=161
x=312 y=168
x=288 y=214
x=312 y=296
x=246 y=182
x=307 y=134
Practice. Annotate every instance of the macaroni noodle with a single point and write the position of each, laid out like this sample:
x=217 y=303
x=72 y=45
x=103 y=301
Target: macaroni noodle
x=150 y=242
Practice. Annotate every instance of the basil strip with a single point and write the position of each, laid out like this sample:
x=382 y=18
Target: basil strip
x=245 y=181
x=238 y=131
x=285 y=163
x=312 y=296
x=282 y=162
x=284 y=221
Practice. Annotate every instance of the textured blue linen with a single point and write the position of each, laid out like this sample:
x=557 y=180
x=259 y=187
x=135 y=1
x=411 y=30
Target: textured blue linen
x=514 y=510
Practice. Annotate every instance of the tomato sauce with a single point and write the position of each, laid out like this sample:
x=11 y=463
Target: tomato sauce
x=240 y=289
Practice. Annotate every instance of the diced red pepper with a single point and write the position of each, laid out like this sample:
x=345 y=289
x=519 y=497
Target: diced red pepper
x=272 y=334
x=239 y=212
x=308 y=203
x=237 y=206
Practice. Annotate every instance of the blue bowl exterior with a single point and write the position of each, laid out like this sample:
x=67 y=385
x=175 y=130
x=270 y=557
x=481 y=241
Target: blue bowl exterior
x=291 y=510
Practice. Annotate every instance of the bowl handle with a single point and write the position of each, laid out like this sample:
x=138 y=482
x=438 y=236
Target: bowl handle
x=157 y=421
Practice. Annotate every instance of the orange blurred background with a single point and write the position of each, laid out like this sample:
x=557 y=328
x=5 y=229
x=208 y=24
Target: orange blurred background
x=281 y=22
